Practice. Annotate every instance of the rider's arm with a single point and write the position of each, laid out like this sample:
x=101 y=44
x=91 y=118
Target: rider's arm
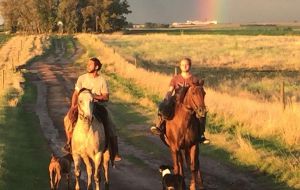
x=101 y=97
x=74 y=99
x=170 y=92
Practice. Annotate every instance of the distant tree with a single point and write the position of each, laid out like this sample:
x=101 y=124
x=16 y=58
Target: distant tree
x=10 y=16
x=117 y=11
x=103 y=15
x=40 y=16
x=47 y=13
x=68 y=13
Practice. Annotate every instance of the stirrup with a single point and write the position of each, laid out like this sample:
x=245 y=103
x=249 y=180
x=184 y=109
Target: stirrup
x=204 y=140
x=155 y=130
x=117 y=158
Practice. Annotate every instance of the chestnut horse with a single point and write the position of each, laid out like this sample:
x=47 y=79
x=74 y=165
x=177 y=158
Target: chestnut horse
x=182 y=133
x=88 y=143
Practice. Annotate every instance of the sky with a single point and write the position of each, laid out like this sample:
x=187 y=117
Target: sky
x=224 y=11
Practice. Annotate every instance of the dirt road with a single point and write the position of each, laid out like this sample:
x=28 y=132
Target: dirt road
x=55 y=77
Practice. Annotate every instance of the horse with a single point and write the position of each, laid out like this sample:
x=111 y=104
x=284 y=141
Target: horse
x=182 y=133
x=88 y=143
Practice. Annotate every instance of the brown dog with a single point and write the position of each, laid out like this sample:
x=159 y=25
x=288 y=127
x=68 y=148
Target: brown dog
x=57 y=167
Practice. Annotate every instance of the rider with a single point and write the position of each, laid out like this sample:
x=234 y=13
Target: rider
x=93 y=81
x=185 y=79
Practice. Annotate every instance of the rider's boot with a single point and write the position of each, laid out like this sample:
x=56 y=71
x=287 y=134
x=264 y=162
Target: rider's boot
x=204 y=140
x=157 y=128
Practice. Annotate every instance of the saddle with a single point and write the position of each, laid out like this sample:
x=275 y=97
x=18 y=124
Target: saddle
x=167 y=107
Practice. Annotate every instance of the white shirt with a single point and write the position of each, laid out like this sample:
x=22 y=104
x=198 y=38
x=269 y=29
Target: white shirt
x=97 y=85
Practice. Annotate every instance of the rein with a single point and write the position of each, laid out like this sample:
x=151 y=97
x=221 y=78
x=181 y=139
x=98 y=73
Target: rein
x=200 y=111
x=80 y=111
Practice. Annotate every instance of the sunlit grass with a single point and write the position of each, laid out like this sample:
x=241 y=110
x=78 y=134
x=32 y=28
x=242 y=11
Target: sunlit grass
x=227 y=63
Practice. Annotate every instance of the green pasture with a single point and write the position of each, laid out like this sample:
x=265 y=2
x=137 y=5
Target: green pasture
x=4 y=38
x=247 y=30
x=24 y=155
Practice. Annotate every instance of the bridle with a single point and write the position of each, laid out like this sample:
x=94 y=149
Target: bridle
x=80 y=110
x=200 y=111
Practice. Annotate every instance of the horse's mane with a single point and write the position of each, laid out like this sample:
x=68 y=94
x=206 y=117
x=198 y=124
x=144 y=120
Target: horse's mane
x=84 y=89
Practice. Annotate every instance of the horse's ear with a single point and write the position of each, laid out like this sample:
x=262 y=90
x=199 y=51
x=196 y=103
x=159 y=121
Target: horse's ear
x=201 y=82
x=84 y=89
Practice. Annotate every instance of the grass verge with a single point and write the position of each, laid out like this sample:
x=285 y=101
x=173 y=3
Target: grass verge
x=24 y=153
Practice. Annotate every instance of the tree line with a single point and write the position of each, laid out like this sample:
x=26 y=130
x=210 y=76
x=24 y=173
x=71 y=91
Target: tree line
x=71 y=16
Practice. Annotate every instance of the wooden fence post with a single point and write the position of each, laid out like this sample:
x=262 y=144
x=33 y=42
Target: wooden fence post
x=283 y=96
x=175 y=71
x=135 y=62
x=2 y=79
x=12 y=65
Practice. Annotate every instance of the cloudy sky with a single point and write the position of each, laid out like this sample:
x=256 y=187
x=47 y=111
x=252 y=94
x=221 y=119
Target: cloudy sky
x=236 y=11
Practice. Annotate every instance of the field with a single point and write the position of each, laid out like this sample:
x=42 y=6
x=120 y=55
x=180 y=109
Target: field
x=224 y=29
x=251 y=126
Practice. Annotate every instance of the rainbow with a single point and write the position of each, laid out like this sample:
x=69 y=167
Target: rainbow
x=209 y=10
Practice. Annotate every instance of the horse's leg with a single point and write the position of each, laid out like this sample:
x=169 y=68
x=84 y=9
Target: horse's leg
x=174 y=154
x=58 y=180
x=77 y=162
x=97 y=162
x=51 y=181
x=68 y=180
x=89 y=171
x=194 y=167
x=106 y=159
x=180 y=163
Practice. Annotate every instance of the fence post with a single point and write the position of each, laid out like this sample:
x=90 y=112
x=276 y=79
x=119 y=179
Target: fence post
x=283 y=96
x=135 y=62
x=12 y=65
x=2 y=79
x=175 y=71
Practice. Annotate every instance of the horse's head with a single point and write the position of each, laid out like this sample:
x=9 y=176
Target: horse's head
x=85 y=105
x=194 y=100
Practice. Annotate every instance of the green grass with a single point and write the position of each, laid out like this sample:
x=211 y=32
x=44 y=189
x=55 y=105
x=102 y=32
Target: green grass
x=4 y=38
x=24 y=152
x=243 y=30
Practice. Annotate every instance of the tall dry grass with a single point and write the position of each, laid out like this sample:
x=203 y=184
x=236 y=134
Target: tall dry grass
x=252 y=65
x=16 y=52
x=276 y=52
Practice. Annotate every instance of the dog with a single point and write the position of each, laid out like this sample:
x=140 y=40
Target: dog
x=59 y=166
x=171 y=181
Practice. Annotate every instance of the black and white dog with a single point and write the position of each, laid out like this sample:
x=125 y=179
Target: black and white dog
x=171 y=181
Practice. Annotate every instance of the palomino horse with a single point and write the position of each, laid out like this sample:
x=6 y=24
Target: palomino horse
x=88 y=143
x=182 y=134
